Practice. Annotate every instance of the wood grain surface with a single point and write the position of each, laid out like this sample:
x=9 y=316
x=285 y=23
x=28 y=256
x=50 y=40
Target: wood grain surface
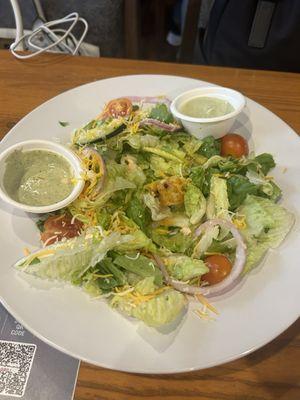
x=273 y=372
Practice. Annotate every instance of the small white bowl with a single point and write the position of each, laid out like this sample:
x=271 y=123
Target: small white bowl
x=72 y=159
x=217 y=126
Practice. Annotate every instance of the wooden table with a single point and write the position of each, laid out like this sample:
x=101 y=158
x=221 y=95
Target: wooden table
x=272 y=372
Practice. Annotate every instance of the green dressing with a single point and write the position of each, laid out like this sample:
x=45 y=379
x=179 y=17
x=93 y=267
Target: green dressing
x=205 y=107
x=37 y=177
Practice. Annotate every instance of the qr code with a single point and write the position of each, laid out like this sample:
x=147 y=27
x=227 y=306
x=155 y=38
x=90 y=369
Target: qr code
x=15 y=365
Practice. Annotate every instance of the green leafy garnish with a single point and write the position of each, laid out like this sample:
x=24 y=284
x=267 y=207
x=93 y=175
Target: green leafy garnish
x=238 y=187
x=63 y=123
x=161 y=113
x=266 y=162
x=139 y=213
x=210 y=147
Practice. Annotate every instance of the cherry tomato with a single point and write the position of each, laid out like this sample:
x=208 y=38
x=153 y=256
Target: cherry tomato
x=234 y=145
x=118 y=108
x=57 y=227
x=219 y=267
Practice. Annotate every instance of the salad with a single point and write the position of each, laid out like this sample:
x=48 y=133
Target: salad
x=163 y=217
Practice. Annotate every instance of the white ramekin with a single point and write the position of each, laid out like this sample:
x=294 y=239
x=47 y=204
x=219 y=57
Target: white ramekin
x=217 y=126
x=63 y=151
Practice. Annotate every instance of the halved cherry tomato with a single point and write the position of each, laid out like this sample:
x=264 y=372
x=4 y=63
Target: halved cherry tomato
x=118 y=108
x=219 y=267
x=234 y=145
x=57 y=227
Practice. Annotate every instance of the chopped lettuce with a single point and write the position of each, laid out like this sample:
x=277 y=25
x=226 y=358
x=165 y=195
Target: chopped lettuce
x=168 y=153
x=266 y=162
x=174 y=241
x=197 y=176
x=238 y=188
x=210 y=147
x=160 y=310
x=92 y=288
x=218 y=203
x=140 y=214
x=192 y=145
x=256 y=250
x=103 y=217
x=267 y=224
x=138 y=141
x=161 y=167
x=146 y=286
x=212 y=162
x=194 y=203
x=184 y=268
x=157 y=311
x=205 y=241
x=110 y=188
x=140 y=265
x=158 y=212
x=222 y=246
x=138 y=241
x=265 y=186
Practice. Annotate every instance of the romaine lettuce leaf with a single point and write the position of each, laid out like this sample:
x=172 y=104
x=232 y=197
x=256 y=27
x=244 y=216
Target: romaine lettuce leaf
x=213 y=161
x=140 y=265
x=267 y=224
x=110 y=188
x=184 y=268
x=174 y=241
x=194 y=203
x=139 y=141
x=70 y=259
x=256 y=250
x=205 y=241
x=140 y=214
x=218 y=204
x=138 y=241
x=222 y=246
x=197 y=176
x=160 y=310
x=103 y=217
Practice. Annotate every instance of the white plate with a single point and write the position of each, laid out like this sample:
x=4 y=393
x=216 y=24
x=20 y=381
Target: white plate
x=251 y=315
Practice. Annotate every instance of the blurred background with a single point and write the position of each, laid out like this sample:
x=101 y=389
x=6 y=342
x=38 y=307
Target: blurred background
x=261 y=34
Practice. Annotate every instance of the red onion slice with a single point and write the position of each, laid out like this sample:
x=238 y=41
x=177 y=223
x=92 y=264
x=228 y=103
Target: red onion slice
x=161 y=125
x=87 y=152
x=219 y=288
x=149 y=99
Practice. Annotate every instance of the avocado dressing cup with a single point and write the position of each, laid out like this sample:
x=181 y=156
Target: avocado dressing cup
x=49 y=147
x=212 y=126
